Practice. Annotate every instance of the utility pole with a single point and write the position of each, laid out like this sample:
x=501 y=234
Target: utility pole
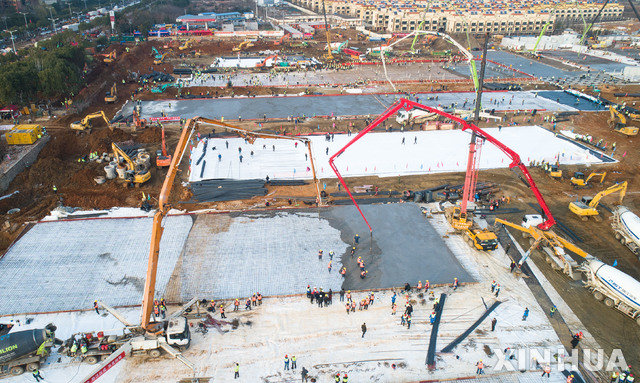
x=70 y=14
x=25 y=19
x=13 y=42
x=53 y=21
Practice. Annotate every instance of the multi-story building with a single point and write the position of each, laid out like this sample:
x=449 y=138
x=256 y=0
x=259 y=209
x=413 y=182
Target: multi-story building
x=475 y=16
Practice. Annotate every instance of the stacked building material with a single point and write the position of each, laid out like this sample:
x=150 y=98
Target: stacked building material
x=227 y=190
x=287 y=182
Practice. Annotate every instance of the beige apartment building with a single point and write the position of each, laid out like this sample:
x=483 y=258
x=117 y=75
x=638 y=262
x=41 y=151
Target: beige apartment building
x=501 y=17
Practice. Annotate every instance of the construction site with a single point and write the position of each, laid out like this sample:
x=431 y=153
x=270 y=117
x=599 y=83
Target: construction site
x=316 y=200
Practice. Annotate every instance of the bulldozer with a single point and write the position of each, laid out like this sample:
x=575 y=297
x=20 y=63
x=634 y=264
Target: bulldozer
x=136 y=174
x=579 y=180
x=85 y=123
x=587 y=206
x=618 y=122
x=111 y=95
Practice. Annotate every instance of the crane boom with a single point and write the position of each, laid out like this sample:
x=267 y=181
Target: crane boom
x=408 y=105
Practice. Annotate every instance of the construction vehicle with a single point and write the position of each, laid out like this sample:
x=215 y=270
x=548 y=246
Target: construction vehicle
x=135 y=174
x=186 y=45
x=461 y=220
x=588 y=206
x=626 y=228
x=160 y=60
x=85 y=123
x=176 y=335
x=163 y=159
x=282 y=39
x=328 y=55
x=26 y=350
x=111 y=95
x=109 y=58
x=481 y=239
x=616 y=288
x=243 y=45
x=579 y=180
x=553 y=245
x=554 y=171
x=618 y=122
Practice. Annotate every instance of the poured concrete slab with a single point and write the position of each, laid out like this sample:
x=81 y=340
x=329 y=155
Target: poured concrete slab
x=66 y=265
x=276 y=253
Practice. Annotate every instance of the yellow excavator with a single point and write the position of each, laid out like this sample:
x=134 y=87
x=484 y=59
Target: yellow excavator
x=578 y=179
x=109 y=58
x=160 y=60
x=85 y=123
x=618 y=122
x=135 y=174
x=554 y=171
x=587 y=206
x=186 y=45
x=111 y=95
x=243 y=45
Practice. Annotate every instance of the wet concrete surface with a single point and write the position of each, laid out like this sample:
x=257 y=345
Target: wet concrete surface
x=405 y=248
x=338 y=105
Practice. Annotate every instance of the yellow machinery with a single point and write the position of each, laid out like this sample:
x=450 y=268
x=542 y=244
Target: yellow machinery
x=160 y=60
x=328 y=55
x=186 y=45
x=85 y=123
x=111 y=95
x=578 y=179
x=618 y=122
x=243 y=45
x=135 y=174
x=109 y=58
x=553 y=245
x=24 y=134
x=481 y=239
x=554 y=171
x=458 y=219
x=587 y=206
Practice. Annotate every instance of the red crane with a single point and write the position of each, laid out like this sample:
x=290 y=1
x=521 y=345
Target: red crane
x=473 y=155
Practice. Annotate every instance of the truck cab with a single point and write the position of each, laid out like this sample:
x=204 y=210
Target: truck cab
x=531 y=220
x=178 y=333
x=482 y=239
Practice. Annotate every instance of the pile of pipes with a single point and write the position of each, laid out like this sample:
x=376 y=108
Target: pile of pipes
x=483 y=191
x=287 y=182
x=117 y=166
x=425 y=195
x=227 y=190
x=157 y=77
x=501 y=86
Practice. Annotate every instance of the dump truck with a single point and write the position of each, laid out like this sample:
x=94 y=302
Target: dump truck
x=22 y=351
x=616 y=288
x=626 y=226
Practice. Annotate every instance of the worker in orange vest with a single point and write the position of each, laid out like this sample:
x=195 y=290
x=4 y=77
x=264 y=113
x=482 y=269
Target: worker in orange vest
x=570 y=378
x=419 y=285
x=254 y=299
x=343 y=271
x=480 y=366
x=546 y=370
x=222 y=311
x=349 y=295
x=259 y=299
x=236 y=304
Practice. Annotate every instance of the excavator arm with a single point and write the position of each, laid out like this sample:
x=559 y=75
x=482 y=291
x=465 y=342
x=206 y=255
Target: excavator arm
x=594 y=174
x=621 y=187
x=408 y=105
x=119 y=152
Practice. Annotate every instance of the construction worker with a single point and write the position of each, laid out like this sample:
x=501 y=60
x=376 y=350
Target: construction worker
x=348 y=306
x=320 y=254
x=493 y=286
x=356 y=239
x=329 y=266
x=293 y=362
x=394 y=307
x=614 y=377
x=553 y=311
x=364 y=329
x=480 y=368
x=337 y=378
x=345 y=378
x=254 y=300
x=343 y=271
x=426 y=285
x=408 y=322
x=247 y=305
x=546 y=370
x=236 y=371
x=222 y=311
x=74 y=348
x=570 y=378
x=95 y=306
x=304 y=373
x=525 y=314
x=331 y=254
x=455 y=283
x=630 y=378
x=419 y=285
x=432 y=317
x=236 y=304
x=259 y=299
x=363 y=274
x=83 y=348
x=348 y=295
x=497 y=290
x=494 y=321
x=353 y=251
x=55 y=189
x=286 y=362
x=308 y=291
x=36 y=375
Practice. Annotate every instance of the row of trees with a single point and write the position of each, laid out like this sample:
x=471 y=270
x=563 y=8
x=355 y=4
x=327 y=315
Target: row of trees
x=52 y=70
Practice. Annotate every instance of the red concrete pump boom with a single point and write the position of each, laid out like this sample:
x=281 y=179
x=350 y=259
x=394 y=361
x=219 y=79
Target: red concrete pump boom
x=408 y=105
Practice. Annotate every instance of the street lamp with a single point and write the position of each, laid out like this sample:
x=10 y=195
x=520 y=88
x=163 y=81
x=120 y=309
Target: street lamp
x=12 y=41
x=25 y=18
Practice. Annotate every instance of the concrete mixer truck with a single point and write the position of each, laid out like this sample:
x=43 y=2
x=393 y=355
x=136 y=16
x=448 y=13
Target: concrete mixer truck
x=626 y=226
x=616 y=288
x=22 y=351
